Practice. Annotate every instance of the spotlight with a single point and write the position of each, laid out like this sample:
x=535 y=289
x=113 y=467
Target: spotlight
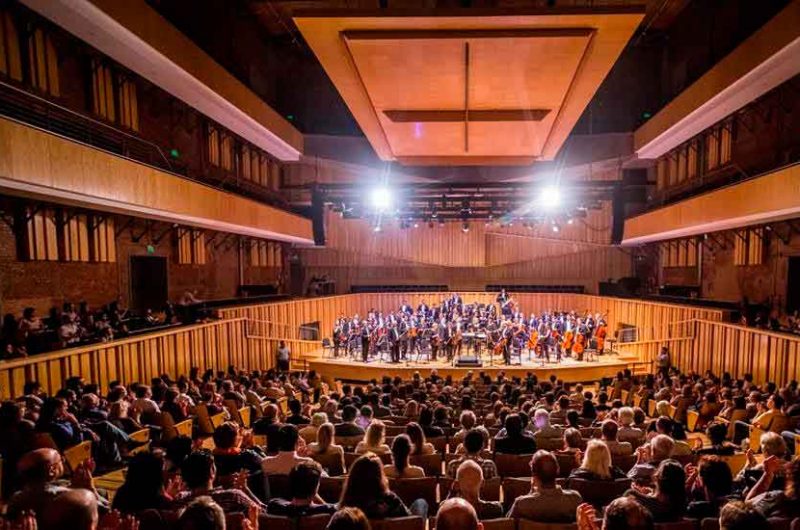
x=377 y=228
x=416 y=224
x=465 y=227
x=550 y=197
x=570 y=221
x=556 y=228
x=381 y=199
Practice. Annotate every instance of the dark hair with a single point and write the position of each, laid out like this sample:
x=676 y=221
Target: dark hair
x=349 y=413
x=144 y=484
x=671 y=483
x=610 y=429
x=717 y=432
x=202 y=514
x=401 y=449
x=737 y=515
x=513 y=425
x=544 y=466
x=287 y=435
x=348 y=519
x=304 y=480
x=294 y=406
x=716 y=476
x=225 y=435
x=625 y=512
x=425 y=417
x=417 y=436
x=178 y=449
x=473 y=441
x=198 y=469
x=365 y=483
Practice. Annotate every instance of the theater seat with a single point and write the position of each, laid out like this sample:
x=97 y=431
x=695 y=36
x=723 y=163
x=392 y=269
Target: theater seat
x=513 y=465
x=490 y=489
x=313 y=522
x=273 y=522
x=686 y=524
x=513 y=488
x=432 y=464
x=524 y=524
x=599 y=492
x=330 y=488
x=499 y=524
x=397 y=523
x=411 y=489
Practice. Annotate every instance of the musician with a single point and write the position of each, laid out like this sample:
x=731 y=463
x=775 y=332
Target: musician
x=506 y=341
x=406 y=308
x=364 y=342
x=600 y=335
x=422 y=308
x=394 y=342
x=502 y=298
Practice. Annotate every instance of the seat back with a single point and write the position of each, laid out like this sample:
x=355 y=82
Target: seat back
x=513 y=488
x=205 y=421
x=348 y=442
x=313 y=522
x=525 y=524
x=499 y=524
x=78 y=454
x=709 y=523
x=439 y=443
x=142 y=436
x=411 y=489
x=513 y=465
x=278 y=487
x=600 y=492
x=686 y=524
x=692 y=416
x=330 y=488
x=735 y=461
x=566 y=463
x=736 y=415
x=395 y=430
x=780 y=523
x=490 y=489
x=331 y=463
x=43 y=440
x=273 y=522
x=432 y=464
x=398 y=523
x=624 y=462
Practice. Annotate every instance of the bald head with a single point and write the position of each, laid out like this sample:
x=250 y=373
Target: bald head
x=457 y=514
x=75 y=509
x=469 y=477
x=40 y=465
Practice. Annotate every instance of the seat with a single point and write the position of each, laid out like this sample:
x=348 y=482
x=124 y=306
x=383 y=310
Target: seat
x=490 y=489
x=395 y=430
x=330 y=488
x=566 y=463
x=499 y=524
x=651 y=408
x=692 y=417
x=513 y=488
x=43 y=440
x=278 y=486
x=331 y=463
x=313 y=522
x=735 y=462
x=78 y=454
x=411 y=489
x=348 y=442
x=778 y=425
x=780 y=523
x=205 y=421
x=235 y=521
x=350 y=458
x=412 y=522
x=637 y=400
x=525 y=524
x=439 y=443
x=513 y=465
x=686 y=524
x=624 y=462
x=709 y=523
x=273 y=522
x=432 y=464
x=624 y=395
x=142 y=436
x=599 y=492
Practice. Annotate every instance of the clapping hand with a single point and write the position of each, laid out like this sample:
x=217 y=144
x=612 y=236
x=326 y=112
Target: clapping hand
x=116 y=521
x=25 y=521
x=586 y=517
x=82 y=476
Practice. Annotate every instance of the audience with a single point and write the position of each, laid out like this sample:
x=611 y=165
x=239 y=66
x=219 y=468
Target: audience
x=547 y=502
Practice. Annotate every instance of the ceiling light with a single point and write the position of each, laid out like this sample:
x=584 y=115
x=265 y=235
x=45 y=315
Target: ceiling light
x=381 y=199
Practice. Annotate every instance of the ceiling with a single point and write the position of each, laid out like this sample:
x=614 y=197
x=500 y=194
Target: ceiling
x=476 y=89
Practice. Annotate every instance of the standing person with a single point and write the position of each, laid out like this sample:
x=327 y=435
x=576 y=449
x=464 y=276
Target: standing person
x=664 y=361
x=364 y=343
x=283 y=357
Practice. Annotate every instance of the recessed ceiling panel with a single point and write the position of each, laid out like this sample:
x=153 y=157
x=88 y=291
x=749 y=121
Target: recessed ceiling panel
x=491 y=89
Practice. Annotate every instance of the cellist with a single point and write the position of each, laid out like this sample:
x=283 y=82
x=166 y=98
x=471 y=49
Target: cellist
x=600 y=335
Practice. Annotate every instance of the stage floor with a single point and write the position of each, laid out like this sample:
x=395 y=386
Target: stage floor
x=569 y=370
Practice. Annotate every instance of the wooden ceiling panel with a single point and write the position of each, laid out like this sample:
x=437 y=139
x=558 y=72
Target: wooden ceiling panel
x=413 y=81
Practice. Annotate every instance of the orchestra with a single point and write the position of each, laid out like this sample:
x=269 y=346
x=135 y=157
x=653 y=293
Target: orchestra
x=452 y=327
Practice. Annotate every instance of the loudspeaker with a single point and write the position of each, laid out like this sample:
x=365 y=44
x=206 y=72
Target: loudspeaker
x=318 y=217
x=468 y=362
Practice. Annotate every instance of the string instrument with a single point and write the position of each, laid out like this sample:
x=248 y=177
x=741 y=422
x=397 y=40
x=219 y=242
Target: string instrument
x=569 y=336
x=500 y=346
x=412 y=332
x=533 y=340
x=580 y=344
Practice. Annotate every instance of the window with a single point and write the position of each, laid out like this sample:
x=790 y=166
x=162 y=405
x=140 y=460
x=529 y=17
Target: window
x=712 y=149
x=662 y=170
x=748 y=248
x=75 y=232
x=221 y=148
x=103 y=247
x=245 y=170
x=10 y=61
x=128 y=103
x=681 y=156
x=41 y=235
x=212 y=145
x=265 y=254
x=226 y=152
x=691 y=160
x=191 y=246
x=103 y=90
x=680 y=253
x=42 y=62
x=726 y=140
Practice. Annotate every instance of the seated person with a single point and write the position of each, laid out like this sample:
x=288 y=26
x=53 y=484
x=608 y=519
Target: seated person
x=547 y=502
x=457 y=514
x=572 y=442
x=325 y=449
x=514 y=440
x=467 y=485
x=649 y=457
x=772 y=445
x=544 y=432
x=348 y=426
x=303 y=488
x=473 y=446
x=627 y=431
x=234 y=452
x=367 y=489
x=287 y=457
x=667 y=500
x=622 y=512
x=609 y=430
x=782 y=503
x=375 y=440
x=717 y=432
x=296 y=417
x=596 y=464
x=737 y=515
x=712 y=485
x=400 y=466
x=419 y=444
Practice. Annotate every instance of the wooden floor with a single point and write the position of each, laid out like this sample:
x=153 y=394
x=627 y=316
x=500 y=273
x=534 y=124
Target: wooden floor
x=569 y=370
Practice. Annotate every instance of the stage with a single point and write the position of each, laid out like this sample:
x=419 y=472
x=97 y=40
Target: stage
x=573 y=371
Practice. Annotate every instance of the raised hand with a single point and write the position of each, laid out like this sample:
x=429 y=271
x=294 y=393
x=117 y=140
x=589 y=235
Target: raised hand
x=82 y=476
x=772 y=465
x=586 y=517
x=174 y=486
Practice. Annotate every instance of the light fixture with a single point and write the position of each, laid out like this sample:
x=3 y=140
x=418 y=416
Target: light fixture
x=550 y=197
x=556 y=228
x=416 y=224
x=570 y=221
x=381 y=199
x=465 y=227
x=377 y=227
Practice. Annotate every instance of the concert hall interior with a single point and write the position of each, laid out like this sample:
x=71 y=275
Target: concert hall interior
x=242 y=236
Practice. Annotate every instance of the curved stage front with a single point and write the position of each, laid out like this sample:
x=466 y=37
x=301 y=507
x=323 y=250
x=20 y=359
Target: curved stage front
x=345 y=369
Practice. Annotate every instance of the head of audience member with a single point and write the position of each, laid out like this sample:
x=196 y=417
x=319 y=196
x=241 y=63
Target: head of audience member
x=318 y=419
x=661 y=447
x=513 y=425
x=365 y=484
x=469 y=477
x=288 y=436
x=467 y=420
x=737 y=515
x=349 y=413
x=572 y=439
x=417 y=436
x=662 y=408
x=227 y=436
x=40 y=466
x=304 y=482
x=625 y=512
x=609 y=430
x=202 y=514
x=541 y=419
x=670 y=483
x=544 y=470
x=325 y=435
x=716 y=478
x=473 y=442
x=401 y=450
x=75 y=509
x=597 y=459
x=376 y=434
x=717 y=432
x=348 y=519
x=773 y=444
x=457 y=514
x=625 y=417
x=199 y=471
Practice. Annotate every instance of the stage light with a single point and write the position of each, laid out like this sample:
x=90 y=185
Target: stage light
x=550 y=197
x=377 y=228
x=381 y=199
x=556 y=228
x=465 y=227
x=416 y=224
x=570 y=221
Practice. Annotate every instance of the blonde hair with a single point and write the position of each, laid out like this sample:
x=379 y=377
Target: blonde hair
x=376 y=433
x=412 y=409
x=625 y=416
x=324 y=436
x=597 y=459
x=662 y=408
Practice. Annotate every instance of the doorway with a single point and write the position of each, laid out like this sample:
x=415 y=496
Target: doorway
x=793 y=285
x=149 y=287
